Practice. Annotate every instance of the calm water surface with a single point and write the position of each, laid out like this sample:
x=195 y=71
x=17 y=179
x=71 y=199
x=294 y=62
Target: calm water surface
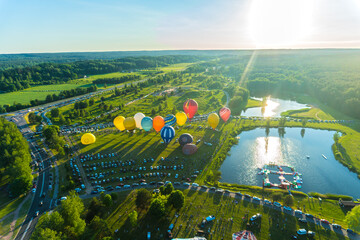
x=274 y=108
x=255 y=149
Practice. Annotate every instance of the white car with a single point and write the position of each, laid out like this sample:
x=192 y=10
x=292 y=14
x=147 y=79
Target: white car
x=195 y=185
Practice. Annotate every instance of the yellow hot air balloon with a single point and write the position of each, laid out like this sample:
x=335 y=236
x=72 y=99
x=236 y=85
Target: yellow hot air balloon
x=213 y=120
x=88 y=138
x=119 y=123
x=129 y=123
x=181 y=118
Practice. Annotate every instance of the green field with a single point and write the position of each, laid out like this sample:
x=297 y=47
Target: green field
x=229 y=216
x=40 y=92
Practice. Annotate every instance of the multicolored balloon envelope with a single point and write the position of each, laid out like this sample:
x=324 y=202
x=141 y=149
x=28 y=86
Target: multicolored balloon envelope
x=119 y=123
x=170 y=120
x=190 y=108
x=129 y=123
x=185 y=139
x=158 y=123
x=225 y=113
x=181 y=118
x=138 y=117
x=167 y=133
x=88 y=138
x=213 y=120
x=189 y=149
x=147 y=123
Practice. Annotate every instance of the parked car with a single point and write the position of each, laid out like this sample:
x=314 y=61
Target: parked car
x=324 y=221
x=276 y=204
x=255 y=217
x=301 y=232
x=286 y=208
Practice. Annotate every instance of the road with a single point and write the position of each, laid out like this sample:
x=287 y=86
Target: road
x=42 y=181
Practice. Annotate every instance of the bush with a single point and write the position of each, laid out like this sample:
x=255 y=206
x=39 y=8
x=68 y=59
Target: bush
x=277 y=197
x=157 y=208
x=289 y=200
x=143 y=197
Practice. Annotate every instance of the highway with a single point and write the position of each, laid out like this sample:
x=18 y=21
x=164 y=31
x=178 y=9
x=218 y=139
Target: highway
x=42 y=183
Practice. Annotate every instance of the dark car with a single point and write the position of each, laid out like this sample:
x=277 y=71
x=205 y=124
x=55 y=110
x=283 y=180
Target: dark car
x=94 y=192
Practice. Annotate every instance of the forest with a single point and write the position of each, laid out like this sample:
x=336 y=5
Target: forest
x=331 y=76
x=14 y=159
x=20 y=78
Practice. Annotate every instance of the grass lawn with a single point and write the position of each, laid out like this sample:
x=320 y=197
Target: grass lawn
x=253 y=103
x=5 y=225
x=175 y=67
x=22 y=215
x=273 y=225
x=10 y=206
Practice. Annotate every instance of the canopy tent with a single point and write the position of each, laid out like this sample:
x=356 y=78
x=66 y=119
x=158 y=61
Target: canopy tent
x=244 y=235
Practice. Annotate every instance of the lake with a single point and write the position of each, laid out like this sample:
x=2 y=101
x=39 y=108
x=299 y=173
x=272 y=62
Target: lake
x=255 y=149
x=274 y=108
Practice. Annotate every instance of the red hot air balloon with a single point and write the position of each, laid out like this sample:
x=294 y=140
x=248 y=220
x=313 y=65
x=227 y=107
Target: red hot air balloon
x=225 y=113
x=190 y=108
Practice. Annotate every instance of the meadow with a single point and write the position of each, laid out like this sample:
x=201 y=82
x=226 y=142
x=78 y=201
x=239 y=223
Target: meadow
x=40 y=92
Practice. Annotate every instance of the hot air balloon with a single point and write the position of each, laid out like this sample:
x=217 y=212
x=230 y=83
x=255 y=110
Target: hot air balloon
x=225 y=113
x=189 y=149
x=185 y=138
x=158 y=123
x=119 y=123
x=213 y=120
x=147 y=123
x=190 y=108
x=170 y=120
x=138 y=117
x=167 y=133
x=129 y=123
x=181 y=118
x=88 y=138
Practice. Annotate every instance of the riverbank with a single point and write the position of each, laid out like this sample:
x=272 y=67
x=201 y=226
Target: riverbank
x=348 y=142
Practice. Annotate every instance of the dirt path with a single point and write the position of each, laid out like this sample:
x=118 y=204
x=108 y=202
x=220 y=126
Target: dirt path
x=12 y=224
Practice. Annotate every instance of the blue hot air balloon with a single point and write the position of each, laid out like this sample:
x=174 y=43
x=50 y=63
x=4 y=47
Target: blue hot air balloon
x=147 y=123
x=170 y=120
x=167 y=133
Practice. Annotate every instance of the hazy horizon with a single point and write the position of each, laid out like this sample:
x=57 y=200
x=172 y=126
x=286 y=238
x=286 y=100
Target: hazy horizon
x=140 y=25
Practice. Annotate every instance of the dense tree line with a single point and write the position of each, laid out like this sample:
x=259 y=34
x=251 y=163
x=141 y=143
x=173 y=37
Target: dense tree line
x=14 y=158
x=16 y=79
x=331 y=76
x=117 y=80
x=52 y=138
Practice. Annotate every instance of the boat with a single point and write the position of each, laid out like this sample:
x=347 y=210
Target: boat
x=324 y=156
x=307 y=156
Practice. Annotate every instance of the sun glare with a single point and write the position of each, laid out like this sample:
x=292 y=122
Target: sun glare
x=280 y=23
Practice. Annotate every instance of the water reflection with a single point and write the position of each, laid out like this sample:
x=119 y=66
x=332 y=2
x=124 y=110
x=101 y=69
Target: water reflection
x=267 y=150
x=272 y=108
x=255 y=149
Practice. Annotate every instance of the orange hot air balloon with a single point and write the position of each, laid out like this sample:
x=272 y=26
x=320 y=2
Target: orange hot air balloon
x=190 y=108
x=225 y=113
x=158 y=123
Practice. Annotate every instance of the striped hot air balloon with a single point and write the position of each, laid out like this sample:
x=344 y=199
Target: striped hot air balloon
x=167 y=133
x=170 y=120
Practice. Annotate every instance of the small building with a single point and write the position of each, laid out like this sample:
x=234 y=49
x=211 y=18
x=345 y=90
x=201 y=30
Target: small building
x=347 y=204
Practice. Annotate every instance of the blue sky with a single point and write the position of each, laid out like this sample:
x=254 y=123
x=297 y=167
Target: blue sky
x=111 y=25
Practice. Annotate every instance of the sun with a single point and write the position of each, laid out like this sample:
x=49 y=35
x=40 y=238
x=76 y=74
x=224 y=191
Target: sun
x=280 y=23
